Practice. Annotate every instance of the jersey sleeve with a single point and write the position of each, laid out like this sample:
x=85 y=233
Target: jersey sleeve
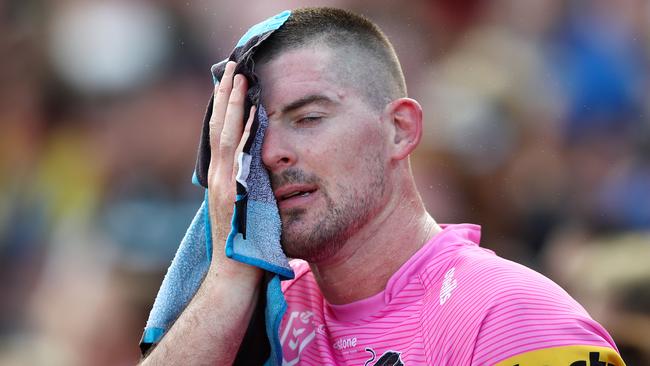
x=529 y=320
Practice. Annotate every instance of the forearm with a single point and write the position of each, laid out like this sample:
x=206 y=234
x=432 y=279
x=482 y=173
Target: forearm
x=211 y=328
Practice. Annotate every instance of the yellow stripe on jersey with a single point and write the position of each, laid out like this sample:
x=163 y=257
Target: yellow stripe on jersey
x=566 y=356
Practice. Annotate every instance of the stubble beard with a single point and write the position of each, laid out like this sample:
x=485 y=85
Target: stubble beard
x=321 y=238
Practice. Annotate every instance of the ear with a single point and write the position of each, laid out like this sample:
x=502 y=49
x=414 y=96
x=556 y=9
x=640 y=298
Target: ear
x=405 y=120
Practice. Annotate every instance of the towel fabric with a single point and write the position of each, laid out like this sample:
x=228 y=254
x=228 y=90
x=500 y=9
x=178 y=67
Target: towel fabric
x=183 y=278
x=255 y=233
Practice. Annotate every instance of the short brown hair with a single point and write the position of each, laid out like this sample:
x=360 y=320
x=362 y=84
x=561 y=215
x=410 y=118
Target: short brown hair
x=371 y=60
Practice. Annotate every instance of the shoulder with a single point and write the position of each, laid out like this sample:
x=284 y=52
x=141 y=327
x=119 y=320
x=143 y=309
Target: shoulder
x=500 y=309
x=484 y=277
x=498 y=280
x=522 y=311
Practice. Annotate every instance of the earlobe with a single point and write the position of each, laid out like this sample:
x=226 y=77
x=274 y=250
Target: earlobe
x=405 y=116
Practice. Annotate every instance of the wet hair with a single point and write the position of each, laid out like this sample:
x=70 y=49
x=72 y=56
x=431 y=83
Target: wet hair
x=362 y=55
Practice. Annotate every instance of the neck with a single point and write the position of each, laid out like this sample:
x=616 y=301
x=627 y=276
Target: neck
x=376 y=251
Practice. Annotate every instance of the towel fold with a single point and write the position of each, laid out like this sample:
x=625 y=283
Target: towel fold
x=183 y=278
x=255 y=233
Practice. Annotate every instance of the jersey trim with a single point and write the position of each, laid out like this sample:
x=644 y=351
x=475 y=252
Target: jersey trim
x=567 y=355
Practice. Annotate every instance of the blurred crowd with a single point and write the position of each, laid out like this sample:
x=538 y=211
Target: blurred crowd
x=536 y=127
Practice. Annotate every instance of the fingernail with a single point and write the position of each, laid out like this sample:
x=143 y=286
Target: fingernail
x=230 y=67
x=238 y=80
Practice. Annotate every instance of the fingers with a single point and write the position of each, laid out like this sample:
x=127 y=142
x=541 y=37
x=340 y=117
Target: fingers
x=220 y=104
x=233 y=123
x=228 y=134
x=247 y=128
x=247 y=131
x=244 y=138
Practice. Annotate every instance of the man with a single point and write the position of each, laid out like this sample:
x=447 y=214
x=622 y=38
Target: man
x=379 y=281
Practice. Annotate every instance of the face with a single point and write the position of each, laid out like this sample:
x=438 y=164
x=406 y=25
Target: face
x=325 y=149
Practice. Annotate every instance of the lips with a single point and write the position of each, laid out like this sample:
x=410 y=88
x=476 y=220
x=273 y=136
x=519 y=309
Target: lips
x=287 y=192
x=293 y=195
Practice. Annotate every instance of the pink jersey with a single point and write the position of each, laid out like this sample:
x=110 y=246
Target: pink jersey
x=452 y=303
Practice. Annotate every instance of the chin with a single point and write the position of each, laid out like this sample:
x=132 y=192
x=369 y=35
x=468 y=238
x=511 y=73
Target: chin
x=310 y=248
x=300 y=248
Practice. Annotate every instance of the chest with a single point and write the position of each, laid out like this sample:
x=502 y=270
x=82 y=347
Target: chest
x=311 y=335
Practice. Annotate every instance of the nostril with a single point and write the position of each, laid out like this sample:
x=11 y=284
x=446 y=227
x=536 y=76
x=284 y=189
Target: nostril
x=284 y=160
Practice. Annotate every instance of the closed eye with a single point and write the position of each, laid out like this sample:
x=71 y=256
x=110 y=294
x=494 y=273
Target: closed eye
x=306 y=120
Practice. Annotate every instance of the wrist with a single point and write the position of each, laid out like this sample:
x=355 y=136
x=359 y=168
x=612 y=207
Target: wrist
x=234 y=272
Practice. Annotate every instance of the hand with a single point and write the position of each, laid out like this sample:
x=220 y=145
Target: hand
x=227 y=137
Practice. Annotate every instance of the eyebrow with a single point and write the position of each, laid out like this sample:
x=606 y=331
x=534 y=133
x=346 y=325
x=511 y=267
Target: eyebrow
x=309 y=99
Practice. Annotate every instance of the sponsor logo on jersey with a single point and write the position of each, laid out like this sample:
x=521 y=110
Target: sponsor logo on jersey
x=299 y=332
x=344 y=343
x=389 y=358
x=448 y=285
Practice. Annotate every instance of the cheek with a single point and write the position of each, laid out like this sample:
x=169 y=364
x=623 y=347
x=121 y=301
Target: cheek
x=341 y=153
x=354 y=153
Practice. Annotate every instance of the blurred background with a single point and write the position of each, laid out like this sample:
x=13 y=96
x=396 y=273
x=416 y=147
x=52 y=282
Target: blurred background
x=537 y=128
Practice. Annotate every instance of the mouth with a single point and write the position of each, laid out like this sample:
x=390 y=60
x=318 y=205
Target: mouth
x=296 y=194
x=291 y=196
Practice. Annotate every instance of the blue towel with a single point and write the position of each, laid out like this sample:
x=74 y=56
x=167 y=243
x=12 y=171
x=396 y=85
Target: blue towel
x=255 y=232
x=183 y=278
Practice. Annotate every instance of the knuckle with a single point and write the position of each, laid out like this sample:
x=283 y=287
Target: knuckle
x=235 y=100
x=223 y=90
x=214 y=133
x=225 y=145
x=237 y=97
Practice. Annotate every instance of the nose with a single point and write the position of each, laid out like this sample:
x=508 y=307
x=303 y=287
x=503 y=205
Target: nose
x=277 y=151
